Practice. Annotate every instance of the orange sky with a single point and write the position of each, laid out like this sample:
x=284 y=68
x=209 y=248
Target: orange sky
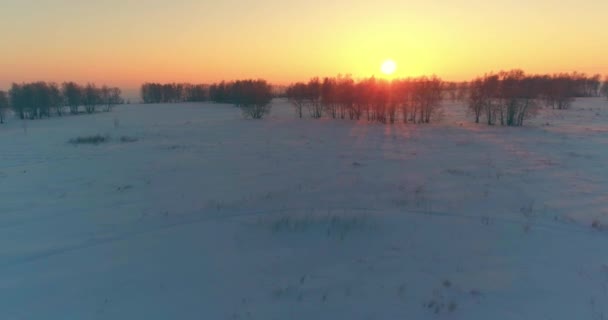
x=125 y=43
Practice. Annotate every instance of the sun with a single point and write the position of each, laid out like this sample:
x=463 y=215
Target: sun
x=388 y=67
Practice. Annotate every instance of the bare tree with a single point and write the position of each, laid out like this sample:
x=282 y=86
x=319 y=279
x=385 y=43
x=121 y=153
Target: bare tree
x=298 y=97
x=477 y=99
x=559 y=91
x=56 y=98
x=115 y=98
x=328 y=97
x=315 y=107
x=517 y=94
x=463 y=91
x=489 y=93
x=109 y=97
x=433 y=90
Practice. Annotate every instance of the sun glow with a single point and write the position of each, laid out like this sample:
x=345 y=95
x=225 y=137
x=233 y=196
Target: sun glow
x=389 y=67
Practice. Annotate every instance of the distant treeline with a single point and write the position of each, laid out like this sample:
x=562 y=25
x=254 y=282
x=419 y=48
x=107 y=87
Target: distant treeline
x=253 y=96
x=173 y=92
x=223 y=92
x=506 y=98
x=40 y=99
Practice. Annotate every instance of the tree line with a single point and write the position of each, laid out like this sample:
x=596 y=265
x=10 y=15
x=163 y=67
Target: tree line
x=173 y=92
x=505 y=98
x=40 y=99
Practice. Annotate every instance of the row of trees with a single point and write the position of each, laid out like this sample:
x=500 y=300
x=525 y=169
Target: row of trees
x=505 y=98
x=173 y=92
x=40 y=99
x=559 y=90
x=509 y=97
x=407 y=100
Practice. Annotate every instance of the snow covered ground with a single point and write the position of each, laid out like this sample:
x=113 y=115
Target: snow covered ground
x=209 y=216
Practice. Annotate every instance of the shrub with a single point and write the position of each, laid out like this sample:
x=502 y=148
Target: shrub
x=94 y=140
x=126 y=139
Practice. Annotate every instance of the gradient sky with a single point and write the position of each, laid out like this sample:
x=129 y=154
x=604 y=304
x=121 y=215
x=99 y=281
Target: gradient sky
x=122 y=42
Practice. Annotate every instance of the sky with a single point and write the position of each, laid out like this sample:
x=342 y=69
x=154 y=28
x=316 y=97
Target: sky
x=127 y=42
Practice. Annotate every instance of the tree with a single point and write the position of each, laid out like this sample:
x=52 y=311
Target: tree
x=298 y=97
x=109 y=97
x=517 y=96
x=115 y=98
x=315 y=107
x=345 y=96
x=104 y=95
x=91 y=98
x=20 y=96
x=328 y=96
x=477 y=99
x=593 y=85
x=40 y=100
x=252 y=96
x=559 y=91
x=605 y=87
x=3 y=105
x=432 y=97
x=73 y=96
x=56 y=99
